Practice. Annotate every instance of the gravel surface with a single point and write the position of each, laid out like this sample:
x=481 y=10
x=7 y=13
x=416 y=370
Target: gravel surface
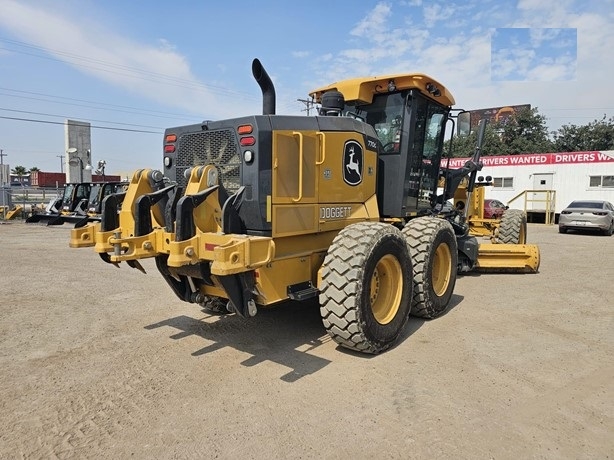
x=100 y=362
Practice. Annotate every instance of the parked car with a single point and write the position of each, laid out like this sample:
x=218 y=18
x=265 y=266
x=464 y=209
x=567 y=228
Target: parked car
x=493 y=209
x=588 y=214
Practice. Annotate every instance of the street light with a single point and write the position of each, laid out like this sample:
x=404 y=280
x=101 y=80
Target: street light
x=76 y=160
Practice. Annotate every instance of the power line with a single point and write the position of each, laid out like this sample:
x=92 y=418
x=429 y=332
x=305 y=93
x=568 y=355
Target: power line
x=113 y=107
x=71 y=124
x=66 y=116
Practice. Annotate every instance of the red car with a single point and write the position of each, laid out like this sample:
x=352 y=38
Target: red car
x=493 y=209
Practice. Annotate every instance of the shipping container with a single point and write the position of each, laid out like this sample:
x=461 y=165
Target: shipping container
x=55 y=179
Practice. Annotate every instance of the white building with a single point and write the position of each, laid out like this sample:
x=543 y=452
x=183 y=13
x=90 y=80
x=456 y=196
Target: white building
x=526 y=179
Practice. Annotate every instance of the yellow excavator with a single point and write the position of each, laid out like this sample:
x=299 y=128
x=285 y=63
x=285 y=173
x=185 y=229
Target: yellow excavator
x=343 y=207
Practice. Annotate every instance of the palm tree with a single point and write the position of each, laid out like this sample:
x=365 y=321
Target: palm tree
x=34 y=168
x=19 y=171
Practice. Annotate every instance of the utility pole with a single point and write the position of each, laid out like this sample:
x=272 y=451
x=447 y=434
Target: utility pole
x=309 y=103
x=61 y=157
x=2 y=155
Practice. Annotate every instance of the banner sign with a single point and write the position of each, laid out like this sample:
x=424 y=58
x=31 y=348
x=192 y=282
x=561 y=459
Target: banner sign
x=532 y=159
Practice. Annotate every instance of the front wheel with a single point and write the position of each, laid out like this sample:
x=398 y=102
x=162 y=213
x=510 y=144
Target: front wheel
x=366 y=287
x=434 y=254
x=513 y=227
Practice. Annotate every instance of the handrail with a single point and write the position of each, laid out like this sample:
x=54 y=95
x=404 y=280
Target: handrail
x=549 y=200
x=322 y=148
x=300 y=165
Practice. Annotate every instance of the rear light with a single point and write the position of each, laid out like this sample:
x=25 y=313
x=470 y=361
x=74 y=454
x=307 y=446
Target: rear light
x=170 y=138
x=247 y=141
x=600 y=213
x=245 y=129
x=169 y=148
x=565 y=212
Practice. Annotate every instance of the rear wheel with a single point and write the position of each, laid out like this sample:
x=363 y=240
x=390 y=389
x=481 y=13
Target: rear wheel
x=366 y=287
x=610 y=230
x=434 y=255
x=513 y=227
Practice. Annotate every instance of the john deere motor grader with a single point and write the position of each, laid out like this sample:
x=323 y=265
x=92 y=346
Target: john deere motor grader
x=251 y=211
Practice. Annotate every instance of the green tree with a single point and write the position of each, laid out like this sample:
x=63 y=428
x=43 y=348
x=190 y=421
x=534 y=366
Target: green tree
x=596 y=135
x=19 y=171
x=524 y=132
x=34 y=168
x=464 y=146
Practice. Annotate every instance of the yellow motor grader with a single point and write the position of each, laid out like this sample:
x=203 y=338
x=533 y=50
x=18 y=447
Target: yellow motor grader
x=341 y=207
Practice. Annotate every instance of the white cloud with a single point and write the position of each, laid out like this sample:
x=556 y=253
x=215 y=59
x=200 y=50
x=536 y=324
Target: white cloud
x=374 y=22
x=154 y=71
x=435 y=12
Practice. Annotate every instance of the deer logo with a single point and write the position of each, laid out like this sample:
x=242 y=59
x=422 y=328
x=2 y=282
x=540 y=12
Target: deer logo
x=352 y=163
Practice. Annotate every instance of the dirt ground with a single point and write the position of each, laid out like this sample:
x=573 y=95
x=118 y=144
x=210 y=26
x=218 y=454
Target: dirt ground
x=101 y=362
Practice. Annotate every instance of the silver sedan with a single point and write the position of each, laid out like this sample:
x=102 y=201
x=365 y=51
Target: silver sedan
x=588 y=215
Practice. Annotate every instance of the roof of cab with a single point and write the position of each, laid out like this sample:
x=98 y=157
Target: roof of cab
x=362 y=90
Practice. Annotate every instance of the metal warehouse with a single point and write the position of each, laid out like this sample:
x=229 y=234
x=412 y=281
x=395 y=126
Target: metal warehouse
x=545 y=183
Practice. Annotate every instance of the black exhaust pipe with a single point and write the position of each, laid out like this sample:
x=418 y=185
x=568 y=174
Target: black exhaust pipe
x=266 y=85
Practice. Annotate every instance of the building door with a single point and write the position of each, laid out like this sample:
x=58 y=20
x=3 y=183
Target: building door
x=542 y=198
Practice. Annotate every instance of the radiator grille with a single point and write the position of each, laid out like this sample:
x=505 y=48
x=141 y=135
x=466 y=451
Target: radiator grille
x=218 y=148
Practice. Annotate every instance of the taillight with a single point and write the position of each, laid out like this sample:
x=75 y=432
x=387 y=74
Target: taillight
x=169 y=140
x=600 y=213
x=565 y=212
x=247 y=141
x=245 y=129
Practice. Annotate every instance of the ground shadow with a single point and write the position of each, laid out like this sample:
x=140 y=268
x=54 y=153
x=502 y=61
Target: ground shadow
x=284 y=335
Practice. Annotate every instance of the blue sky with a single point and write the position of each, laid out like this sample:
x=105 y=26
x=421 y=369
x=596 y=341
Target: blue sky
x=133 y=68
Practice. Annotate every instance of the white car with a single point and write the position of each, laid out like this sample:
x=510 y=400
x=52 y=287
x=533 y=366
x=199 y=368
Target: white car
x=588 y=215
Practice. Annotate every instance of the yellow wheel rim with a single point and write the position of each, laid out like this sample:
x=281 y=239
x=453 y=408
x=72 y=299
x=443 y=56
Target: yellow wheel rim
x=386 y=288
x=442 y=269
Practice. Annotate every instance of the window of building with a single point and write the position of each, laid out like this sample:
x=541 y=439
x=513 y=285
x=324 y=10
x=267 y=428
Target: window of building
x=503 y=182
x=601 y=181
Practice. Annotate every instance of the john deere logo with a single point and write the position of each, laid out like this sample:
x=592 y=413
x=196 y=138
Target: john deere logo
x=352 y=163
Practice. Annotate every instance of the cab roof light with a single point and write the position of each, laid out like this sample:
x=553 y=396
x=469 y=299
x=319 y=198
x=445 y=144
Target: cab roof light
x=245 y=129
x=431 y=88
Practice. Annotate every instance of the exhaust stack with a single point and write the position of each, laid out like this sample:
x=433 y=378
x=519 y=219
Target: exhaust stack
x=266 y=85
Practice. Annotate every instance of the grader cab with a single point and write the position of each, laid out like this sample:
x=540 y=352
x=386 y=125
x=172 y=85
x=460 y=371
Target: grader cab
x=340 y=207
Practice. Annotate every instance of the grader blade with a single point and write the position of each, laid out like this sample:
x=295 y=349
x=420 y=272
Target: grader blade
x=510 y=258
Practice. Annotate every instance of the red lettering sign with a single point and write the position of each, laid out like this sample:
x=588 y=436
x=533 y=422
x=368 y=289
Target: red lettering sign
x=527 y=159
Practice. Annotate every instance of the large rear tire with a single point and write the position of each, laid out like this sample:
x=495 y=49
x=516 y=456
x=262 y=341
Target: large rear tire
x=513 y=227
x=366 y=288
x=434 y=255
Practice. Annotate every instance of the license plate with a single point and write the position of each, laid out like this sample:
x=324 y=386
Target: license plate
x=580 y=223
